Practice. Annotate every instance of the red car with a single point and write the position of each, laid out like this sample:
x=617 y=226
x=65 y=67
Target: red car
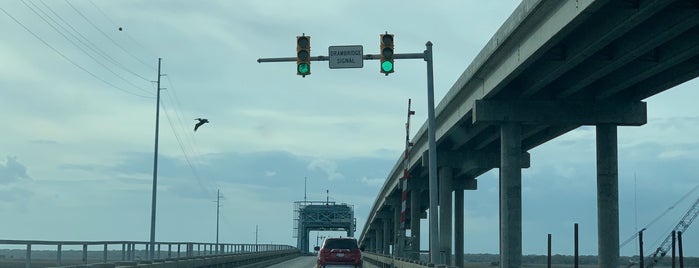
x=339 y=251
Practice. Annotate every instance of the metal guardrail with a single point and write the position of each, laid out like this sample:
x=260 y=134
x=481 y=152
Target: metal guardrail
x=137 y=250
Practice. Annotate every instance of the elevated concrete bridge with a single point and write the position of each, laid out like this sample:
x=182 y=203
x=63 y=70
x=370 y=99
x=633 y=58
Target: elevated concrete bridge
x=552 y=67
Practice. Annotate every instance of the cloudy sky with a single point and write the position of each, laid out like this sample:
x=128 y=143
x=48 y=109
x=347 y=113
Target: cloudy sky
x=77 y=100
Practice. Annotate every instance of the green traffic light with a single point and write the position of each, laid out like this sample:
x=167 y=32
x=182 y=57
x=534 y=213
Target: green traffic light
x=304 y=68
x=387 y=66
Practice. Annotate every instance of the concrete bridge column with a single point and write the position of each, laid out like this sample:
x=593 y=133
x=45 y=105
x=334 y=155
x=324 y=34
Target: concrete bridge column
x=607 y=196
x=379 y=240
x=446 y=176
x=387 y=231
x=511 y=195
x=459 y=227
x=368 y=242
x=415 y=221
x=399 y=233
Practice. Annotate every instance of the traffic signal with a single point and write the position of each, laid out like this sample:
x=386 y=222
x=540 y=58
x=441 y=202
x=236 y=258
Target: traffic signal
x=303 y=55
x=386 y=53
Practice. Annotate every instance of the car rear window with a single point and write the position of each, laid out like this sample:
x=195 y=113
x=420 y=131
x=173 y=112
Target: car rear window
x=341 y=244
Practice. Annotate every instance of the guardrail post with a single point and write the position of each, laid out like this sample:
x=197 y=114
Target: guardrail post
x=28 y=258
x=58 y=255
x=105 y=253
x=129 y=251
x=169 y=251
x=158 y=250
x=84 y=253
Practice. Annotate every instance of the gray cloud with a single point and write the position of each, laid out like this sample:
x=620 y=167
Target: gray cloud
x=12 y=171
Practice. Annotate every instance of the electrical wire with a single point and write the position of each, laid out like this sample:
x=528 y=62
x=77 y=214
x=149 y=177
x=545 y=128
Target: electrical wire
x=195 y=172
x=107 y=36
x=149 y=51
x=69 y=59
x=74 y=44
x=172 y=93
x=664 y=234
x=91 y=45
x=656 y=219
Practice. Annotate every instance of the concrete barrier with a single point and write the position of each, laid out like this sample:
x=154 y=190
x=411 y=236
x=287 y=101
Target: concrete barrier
x=244 y=260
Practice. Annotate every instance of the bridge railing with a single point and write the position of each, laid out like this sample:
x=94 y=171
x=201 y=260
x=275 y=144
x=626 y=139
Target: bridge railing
x=64 y=252
x=385 y=261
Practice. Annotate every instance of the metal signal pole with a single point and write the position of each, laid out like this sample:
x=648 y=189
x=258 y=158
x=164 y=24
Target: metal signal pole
x=155 y=168
x=435 y=254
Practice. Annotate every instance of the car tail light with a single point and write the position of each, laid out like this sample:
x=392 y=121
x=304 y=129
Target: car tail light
x=324 y=254
x=356 y=254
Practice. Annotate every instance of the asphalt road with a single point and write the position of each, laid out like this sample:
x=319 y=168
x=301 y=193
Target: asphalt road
x=300 y=262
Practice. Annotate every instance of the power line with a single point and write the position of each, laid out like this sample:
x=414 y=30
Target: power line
x=87 y=43
x=184 y=152
x=107 y=36
x=125 y=32
x=70 y=60
x=172 y=93
x=73 y=43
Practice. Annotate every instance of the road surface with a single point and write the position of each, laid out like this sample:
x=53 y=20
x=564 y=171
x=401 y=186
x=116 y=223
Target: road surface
x=300 y=262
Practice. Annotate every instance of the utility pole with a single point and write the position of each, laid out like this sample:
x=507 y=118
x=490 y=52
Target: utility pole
x=305 y=189
x=256 y=233
x=218 y=205
x=155 y=168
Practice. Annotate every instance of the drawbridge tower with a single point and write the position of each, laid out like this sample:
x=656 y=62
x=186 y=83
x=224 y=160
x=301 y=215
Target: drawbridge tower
x=321 y=216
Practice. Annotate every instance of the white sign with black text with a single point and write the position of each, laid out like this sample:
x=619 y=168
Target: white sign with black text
x=346 y=57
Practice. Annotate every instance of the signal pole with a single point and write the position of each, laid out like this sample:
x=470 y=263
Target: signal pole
x=435 y=254
x=155 y=168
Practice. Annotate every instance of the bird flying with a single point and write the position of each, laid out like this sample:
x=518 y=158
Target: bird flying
x=201 y=122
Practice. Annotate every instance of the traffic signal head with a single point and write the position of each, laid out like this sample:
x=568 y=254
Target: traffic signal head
x=386 y=53
x=303 y=55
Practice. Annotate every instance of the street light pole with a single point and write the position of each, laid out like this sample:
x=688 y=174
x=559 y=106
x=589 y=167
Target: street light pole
x=155 y=168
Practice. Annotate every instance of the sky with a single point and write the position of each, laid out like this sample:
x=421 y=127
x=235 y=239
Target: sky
x=77 y=97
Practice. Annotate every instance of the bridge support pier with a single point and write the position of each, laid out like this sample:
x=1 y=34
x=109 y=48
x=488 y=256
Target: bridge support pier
x=379 y=240
x=511 y=195
x=398 y=233
x=387 y=230
x=415 y=212
x=607 y=196
x=459 y=227
x=446 y=176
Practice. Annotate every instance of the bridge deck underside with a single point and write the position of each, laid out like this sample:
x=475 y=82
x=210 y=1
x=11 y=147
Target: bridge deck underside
x=611 y=51
x=621 y=52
